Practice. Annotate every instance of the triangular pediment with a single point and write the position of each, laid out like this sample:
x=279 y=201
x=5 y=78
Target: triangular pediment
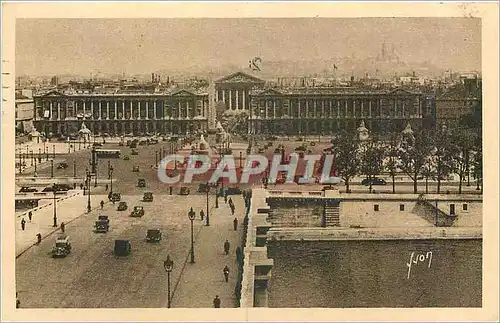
x=270 y=92
x=401 y=92
x=53 y=93
x=183 y=93
x=240 y=77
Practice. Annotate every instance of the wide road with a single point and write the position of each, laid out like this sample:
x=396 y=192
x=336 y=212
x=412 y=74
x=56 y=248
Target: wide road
x=91 y=276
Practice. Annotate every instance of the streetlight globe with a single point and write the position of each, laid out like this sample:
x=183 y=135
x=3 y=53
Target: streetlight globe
x=168 y=264
x=191 y=214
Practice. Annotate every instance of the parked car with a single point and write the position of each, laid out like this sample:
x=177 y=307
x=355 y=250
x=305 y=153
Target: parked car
x=58 y=188
x=233 y=191
x=116 y=197
x=135 y=168
x=122 y=206
x=141 y=182
x=184 y=190
x=26 y=189
x=203 y=187
x=137 y=212
x=122 y=248
x=148 y=197
x=374 y=181
x=134 y=152
x=62 y=166
x=126 y=157
x=153 y=235
x=62 y=247
x=101 y=226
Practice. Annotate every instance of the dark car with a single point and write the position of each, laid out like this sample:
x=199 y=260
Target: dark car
x=135 y=169
x=58 y=188
x=374 y=181
x=148 y=197
x=122 y=248
x=103 y=218
x=137 y=212
x=141 y=182
x=153 y=235
x=27 y=190
x=101 y=226
x=62 y=166
x=134 y=152
x=203 y=187
x=233 y=191
x=126 y=157
x=122 y=206
x=116 y=197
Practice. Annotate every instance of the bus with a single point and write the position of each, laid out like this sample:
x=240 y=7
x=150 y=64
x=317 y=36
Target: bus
x=108 y=153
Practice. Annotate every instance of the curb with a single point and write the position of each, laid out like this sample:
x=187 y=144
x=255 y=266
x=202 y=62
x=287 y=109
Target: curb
x=55 y=230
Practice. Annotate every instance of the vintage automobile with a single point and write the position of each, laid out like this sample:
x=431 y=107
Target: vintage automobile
x=153 y=235
x=134 y=152
x=374 y=181
x=148 y=197
x=62 y=247
x=120 y=144
x=233 y=191
x=203 y=187
x=103 y=218
x=122 y=206
x=58 y=188
x=126 y=157
x=62 y=166
x=26 y=189
x=101 y=226
x=135 y=168
x=115 y=197
x=137 y=212
x=122 y=248
x=184 y=190
x=141 y=182
x=312 y=144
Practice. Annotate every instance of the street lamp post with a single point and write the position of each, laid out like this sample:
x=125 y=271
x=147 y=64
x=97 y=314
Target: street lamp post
x=53 y=151
x=89 y=208
x=51 y=168
x=45 y=150
x=192 y=215
x=55 y=212
x=39 y=155
x=31 y=151
x=96 y=166
x=111 y=178
x=208 y=213
x=168 y=265
x=156 y=158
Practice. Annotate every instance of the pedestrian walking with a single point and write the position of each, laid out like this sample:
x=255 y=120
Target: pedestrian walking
x=102 y=204
x=38 y=238
x=30 y=215
x=226 y=247
x=230 y=201
x=23 y=223
x=225 y=197
x=231 y=206
x=226 y=273
x=81 y=186
x=217 y=301
x=107 y=187
x=235 y=224
x=202 y=215
x=63 y=226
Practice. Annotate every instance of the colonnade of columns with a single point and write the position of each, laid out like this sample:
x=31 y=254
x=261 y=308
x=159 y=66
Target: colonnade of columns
x=235 y=99
x=272 y=108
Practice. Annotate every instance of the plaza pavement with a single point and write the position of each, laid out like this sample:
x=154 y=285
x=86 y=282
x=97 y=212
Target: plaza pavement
x=92 y=277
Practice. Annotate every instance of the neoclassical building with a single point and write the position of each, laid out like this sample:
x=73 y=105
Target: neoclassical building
x=276 y=110
x=122 y=113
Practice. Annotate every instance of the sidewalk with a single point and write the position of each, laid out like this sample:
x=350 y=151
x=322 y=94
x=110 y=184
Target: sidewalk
x=42 y=220
x=201 y=281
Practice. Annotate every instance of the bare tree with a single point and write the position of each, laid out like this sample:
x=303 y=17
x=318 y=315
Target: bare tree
x=442 y=152
x=463 y=141
x=345 y=151
x=414 y=152
x=371 y=156
x=393 y=158
x=477 y=164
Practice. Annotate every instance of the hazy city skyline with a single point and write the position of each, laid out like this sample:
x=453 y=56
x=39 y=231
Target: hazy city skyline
x=136 y=46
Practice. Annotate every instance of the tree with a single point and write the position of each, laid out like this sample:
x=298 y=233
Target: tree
x=345 y=151
x=414 y=152
x=372 y=155
x=392 y=158
x=442 y=152
x=428 y=172
x=477 y=164
x=463 y=141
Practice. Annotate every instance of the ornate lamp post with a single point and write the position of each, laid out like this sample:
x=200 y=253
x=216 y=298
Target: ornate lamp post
x=111 y=178
x=192 y=215
x=53 y=151
x=208 y=213
x=89 y=207
x=168 y=265
x=51 y=168
x=54 y=202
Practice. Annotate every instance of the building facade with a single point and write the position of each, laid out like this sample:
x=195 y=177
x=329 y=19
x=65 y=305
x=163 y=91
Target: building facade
x=135 y=114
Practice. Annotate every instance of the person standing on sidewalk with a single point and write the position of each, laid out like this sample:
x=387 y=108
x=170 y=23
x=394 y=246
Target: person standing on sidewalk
x=23 y=223
x=102 y=204
x=231 y=206
x=217 y=301
x=235 y=224
x=226 y=247
x=226 y=273
x=30 y=214
x=63 y=227
x=202 y=215
x=38 y=238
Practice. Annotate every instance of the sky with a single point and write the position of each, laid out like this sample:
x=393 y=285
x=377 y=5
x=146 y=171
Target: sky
x=136 y=46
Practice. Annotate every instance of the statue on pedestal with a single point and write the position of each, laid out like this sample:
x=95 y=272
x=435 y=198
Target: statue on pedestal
x=363 y=133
